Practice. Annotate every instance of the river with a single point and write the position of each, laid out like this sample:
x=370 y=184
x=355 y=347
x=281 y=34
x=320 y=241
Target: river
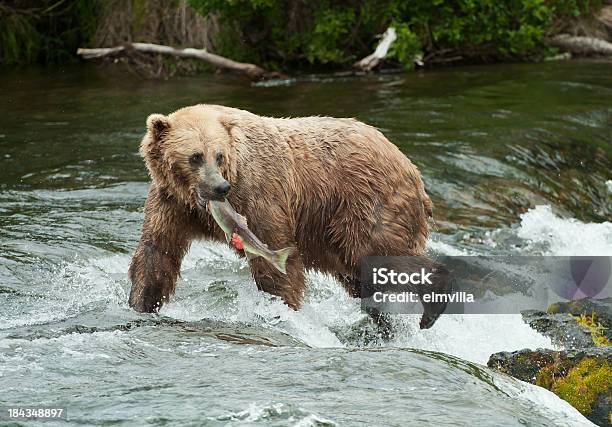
x=517 y=159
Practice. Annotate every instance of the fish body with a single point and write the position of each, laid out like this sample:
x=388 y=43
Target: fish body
x=238 y=235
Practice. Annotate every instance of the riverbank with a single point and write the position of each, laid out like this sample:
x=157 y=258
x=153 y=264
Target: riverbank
x=296 y=37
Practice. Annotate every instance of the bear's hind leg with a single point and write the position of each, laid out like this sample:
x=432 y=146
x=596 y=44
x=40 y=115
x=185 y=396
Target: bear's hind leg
x=382 y=320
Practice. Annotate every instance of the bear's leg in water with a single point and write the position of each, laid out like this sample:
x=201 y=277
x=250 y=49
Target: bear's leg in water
x=167 y=231
x=382 y=320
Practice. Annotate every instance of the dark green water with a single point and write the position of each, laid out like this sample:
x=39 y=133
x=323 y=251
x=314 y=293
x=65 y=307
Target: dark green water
x=517 y=158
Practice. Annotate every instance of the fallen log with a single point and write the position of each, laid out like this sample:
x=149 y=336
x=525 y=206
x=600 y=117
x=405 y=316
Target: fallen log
x=253 y=71
x=371 y=61
x=582 y=45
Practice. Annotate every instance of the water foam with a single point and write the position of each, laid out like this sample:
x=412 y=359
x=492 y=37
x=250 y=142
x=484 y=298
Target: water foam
x=69 y=289
x=230 y=295
x=471 y=337
x=475 y=337
x=216 y=285
x=553 y=235
x=329 y=313
x=564 y=413
x=270 y=412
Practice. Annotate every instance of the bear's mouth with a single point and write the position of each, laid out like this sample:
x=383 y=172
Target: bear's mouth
x=201 y=201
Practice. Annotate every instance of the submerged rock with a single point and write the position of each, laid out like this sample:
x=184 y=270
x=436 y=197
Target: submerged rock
x=581 y=377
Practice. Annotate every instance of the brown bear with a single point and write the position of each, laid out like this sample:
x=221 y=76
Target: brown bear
x=336 y=189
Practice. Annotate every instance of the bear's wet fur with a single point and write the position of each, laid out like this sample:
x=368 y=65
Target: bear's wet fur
x=336 y=189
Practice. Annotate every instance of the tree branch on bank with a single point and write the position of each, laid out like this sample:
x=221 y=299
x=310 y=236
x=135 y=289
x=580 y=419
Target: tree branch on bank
x=371 y=61
x=582 y=45
x=253 y=71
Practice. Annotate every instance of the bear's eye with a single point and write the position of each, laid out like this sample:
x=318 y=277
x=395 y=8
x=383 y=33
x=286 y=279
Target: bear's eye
x=220 y=158
x=196 y=159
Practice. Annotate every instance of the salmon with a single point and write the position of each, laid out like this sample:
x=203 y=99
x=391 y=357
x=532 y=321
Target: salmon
x=239 y=236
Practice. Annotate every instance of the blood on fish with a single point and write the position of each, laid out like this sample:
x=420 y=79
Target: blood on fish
x=237 y=242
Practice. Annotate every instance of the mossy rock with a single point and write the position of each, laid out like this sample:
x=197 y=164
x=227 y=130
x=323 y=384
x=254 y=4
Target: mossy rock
x=584 y=383
x=581 y=377
x=601 y=308
x=523 y=365
x=583 y=323
x=600 y=334
x=562 y=329
x=594 y=314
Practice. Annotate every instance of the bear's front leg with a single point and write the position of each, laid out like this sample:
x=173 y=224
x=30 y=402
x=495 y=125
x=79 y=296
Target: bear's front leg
x=290 y=286
x=166 y=234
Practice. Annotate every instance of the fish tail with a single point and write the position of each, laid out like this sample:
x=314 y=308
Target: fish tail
x=280 y=258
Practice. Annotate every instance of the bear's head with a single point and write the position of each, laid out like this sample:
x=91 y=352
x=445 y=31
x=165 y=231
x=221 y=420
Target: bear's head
x=190 y=154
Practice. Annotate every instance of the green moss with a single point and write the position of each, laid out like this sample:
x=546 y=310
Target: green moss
x=580 y=384
x=546 y=377
x=553 y=308
x=552 y=371
x=583 y=383
x=598 y=331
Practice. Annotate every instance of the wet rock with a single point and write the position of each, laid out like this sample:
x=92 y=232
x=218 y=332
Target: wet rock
x=562 y=329
x=523 y=364
x=575 y=324
x=600 y=310
x=237 y=333
x=581 y=377
x=581 y=374
x=601 y=307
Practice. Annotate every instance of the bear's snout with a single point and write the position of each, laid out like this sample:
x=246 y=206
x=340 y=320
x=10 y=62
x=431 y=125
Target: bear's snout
x=216 y=191
x=222 y=189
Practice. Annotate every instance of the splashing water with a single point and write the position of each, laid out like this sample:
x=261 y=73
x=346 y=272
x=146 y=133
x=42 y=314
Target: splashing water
x=559 y=236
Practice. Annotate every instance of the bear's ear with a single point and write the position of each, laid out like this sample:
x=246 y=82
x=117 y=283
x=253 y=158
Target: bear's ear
x=157 y=125
x=228 y=123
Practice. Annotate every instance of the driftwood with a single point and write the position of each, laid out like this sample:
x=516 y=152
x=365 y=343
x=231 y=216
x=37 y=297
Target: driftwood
x=371 y=61
x=253 y=71
x=582 y=45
